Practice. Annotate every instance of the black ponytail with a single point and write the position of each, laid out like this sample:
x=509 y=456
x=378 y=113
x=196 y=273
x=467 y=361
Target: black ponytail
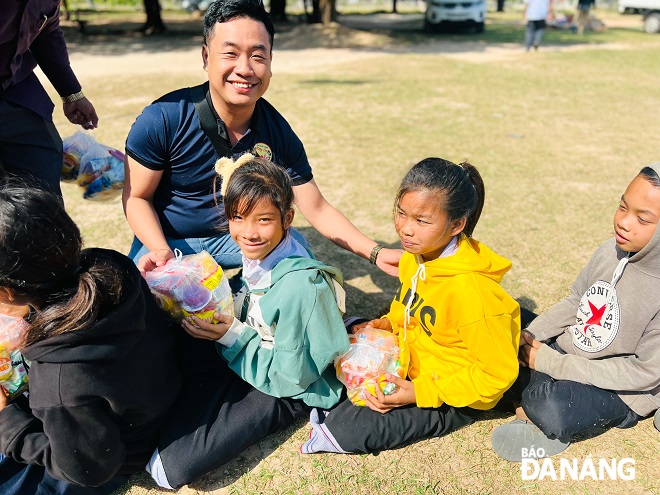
x=41 y=259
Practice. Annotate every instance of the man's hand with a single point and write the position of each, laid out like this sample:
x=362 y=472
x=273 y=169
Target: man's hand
x=388 y=261
x=201 y=329
x=404 y=395
x=154 y=259
x=81 y=112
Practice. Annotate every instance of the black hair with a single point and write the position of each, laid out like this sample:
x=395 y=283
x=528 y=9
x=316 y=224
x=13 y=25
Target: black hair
x=650 y=175
x=460 y=187
x=256 y=180
x=225 y=10
x=41 y=259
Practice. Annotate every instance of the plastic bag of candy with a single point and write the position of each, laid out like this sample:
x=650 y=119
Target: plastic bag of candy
x=97 y=168
x=373 y=352
x=13 y=368
x=191 y=285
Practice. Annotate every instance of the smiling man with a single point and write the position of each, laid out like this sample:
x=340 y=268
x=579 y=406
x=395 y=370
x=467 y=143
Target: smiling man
x=169 y=195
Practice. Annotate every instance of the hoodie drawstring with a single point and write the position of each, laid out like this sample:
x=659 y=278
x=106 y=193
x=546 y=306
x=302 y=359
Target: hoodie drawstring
x=618 y=272
x=420 y=274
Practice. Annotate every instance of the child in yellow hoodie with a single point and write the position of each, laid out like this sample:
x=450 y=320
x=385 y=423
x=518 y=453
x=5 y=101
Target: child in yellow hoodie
x=461 y=327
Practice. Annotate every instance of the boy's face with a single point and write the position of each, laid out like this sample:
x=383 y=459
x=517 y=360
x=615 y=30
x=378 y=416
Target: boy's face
x=638 y=215
x=258 y=232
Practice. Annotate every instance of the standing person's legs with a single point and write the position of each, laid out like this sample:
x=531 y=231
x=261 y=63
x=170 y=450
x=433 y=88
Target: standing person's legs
x=539 y=29
x=361 y=430
x=30 y=147
x=582 y=20
x=529 y=35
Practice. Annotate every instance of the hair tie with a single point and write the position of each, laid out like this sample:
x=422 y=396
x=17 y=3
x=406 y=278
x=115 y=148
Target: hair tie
x=78 y=271
x=225 y=166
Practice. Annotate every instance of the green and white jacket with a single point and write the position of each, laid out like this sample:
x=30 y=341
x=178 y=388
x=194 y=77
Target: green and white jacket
x=288 y=332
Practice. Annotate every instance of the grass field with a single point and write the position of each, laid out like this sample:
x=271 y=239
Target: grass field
x=557 y=136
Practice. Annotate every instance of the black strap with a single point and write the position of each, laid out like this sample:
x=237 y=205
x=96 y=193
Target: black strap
x=207 y=119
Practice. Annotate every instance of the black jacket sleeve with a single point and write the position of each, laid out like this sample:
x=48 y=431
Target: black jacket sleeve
x=79 y=444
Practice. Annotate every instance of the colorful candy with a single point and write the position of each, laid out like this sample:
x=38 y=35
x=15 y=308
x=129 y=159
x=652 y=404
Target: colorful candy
x=95 y=167
x=13 y=368
x=373 y=353
x=191 y=285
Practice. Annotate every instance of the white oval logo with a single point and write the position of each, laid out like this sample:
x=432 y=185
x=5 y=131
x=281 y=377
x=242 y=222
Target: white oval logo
x=597 y=319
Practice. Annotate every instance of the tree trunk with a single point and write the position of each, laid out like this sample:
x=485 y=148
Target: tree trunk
x=154 y=23
x=500 y=5
x=394 y=11
x=278 y=10
x=324 y=11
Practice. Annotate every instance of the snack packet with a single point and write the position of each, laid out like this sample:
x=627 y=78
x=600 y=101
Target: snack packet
x=373 y=353
x=13 y=368
x=95 y=167
x=191 y=285
x=74 y=147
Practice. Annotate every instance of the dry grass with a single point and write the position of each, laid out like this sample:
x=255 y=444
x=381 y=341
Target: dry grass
x=557 y=136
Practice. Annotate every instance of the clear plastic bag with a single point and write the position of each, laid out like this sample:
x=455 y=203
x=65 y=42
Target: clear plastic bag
x=191 y=285
x=95 y=167
x=373 y=353
x=13 y=368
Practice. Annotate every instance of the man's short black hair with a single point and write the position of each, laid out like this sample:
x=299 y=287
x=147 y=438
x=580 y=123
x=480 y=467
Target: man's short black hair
x=226 y=10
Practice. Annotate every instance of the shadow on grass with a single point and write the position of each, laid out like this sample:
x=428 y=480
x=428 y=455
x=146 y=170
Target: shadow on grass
x=372 y=304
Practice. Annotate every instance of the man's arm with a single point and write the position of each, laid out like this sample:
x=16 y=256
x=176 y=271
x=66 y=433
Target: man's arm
x=333 y=225
x=50 y=52
x=139 y=187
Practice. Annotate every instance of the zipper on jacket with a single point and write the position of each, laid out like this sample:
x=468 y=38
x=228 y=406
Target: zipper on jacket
x=43 y=24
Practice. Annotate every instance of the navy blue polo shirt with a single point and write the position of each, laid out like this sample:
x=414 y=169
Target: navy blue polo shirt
x=168 y=136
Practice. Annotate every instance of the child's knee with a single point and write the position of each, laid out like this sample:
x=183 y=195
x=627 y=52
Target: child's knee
x=548 y=407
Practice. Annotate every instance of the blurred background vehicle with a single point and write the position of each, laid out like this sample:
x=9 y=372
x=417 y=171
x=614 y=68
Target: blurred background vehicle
x=444 y=14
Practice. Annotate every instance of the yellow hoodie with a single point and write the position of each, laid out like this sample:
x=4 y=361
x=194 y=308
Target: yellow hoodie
x=463 y=328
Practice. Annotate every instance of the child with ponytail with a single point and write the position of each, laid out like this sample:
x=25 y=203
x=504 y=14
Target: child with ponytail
x=461 y=327
x=103 y=376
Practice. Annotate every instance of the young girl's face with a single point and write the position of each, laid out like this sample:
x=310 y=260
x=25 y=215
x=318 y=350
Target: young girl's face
x=259 y=231
x=423 y=226
x=638 y=215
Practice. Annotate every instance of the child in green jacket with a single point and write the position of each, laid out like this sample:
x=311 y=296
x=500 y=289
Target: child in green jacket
x=280 y=346
x=288 y=327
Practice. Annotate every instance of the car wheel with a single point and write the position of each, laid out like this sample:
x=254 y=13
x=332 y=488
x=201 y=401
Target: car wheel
x=652 y=23
x=479 y=27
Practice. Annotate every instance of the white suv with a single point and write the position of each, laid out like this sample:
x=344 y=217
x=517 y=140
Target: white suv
x=444 y=13
x=650 y=9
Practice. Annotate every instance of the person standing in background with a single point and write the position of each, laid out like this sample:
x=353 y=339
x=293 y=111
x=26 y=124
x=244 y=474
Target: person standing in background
x=30 y=146
x=583 y=7
x=535 y=13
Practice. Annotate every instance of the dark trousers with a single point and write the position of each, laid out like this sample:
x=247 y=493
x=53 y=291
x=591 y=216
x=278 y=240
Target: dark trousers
x=361 y=430
x=22 y=479
x=563 y=408
x=30 y=147
x=217 y=417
